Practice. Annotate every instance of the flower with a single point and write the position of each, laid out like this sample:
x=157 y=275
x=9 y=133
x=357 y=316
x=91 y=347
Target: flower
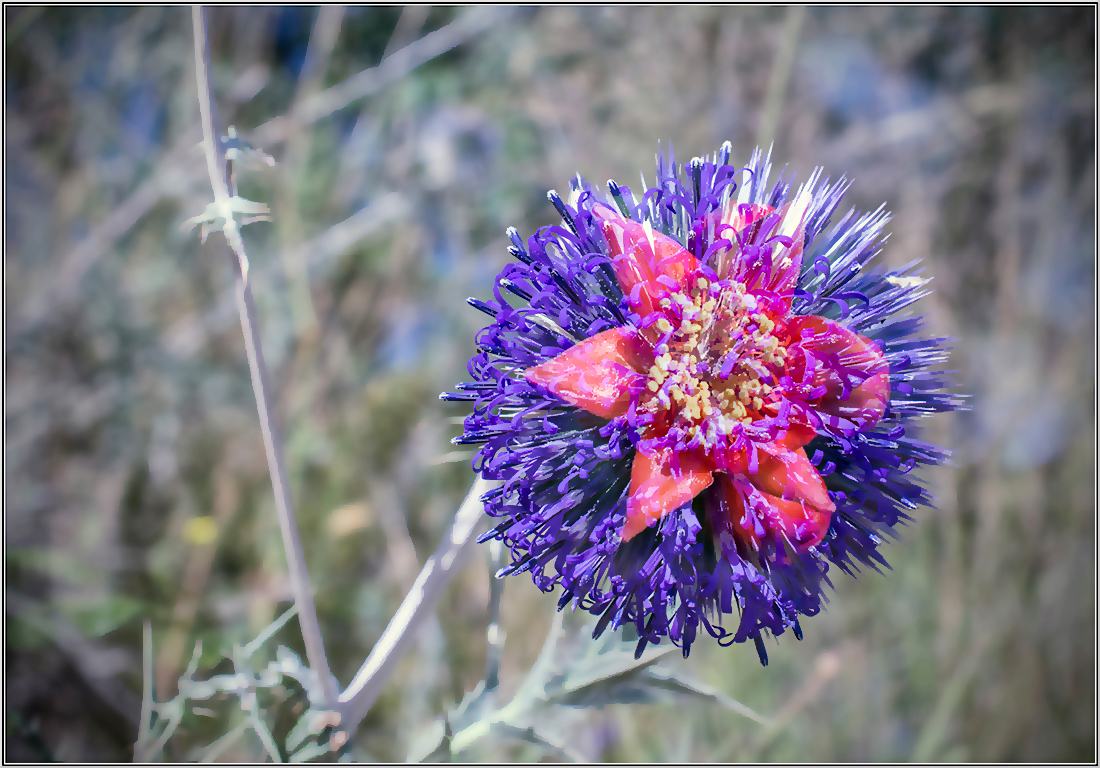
x=695 y=401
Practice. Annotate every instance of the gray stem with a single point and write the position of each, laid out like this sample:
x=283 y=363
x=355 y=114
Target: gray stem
x=299 y=576
x=418 y=604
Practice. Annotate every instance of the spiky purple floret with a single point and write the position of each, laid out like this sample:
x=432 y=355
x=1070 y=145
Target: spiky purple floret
x=565 y=473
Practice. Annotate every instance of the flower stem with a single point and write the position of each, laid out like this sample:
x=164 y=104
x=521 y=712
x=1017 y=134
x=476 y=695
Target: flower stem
x=418 y=604
x=299 y=576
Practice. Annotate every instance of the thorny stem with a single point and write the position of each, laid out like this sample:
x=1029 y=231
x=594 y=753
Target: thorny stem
x=418 y=604
x=495 y=632
x=145 y=726
x=299 y=576
x=425 y=593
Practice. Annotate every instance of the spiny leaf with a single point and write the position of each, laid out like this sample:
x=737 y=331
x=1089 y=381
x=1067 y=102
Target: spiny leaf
x=530 y=736
x=665 y=679
x=475 y=706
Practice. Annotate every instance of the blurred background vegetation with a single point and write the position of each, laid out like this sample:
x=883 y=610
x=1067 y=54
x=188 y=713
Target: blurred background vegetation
x=136 y=485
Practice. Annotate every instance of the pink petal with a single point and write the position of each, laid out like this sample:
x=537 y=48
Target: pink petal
x=640 y=258
x=866 y=403
x=738 y=217
x=785 y=263
x=749 y=515
x=748 y=213
x=598 y=373
x=789 y=475
x=656 y=488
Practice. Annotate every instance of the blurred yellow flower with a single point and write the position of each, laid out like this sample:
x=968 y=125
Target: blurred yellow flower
x=200 y=531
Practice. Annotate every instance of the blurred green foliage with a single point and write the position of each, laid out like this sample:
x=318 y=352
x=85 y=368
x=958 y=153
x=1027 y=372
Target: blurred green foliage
x=129 y=412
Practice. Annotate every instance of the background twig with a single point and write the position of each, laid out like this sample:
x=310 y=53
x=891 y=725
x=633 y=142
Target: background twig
x=780 y=74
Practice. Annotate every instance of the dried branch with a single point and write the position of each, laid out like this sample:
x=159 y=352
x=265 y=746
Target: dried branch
x=391 y=69
x=299 y=576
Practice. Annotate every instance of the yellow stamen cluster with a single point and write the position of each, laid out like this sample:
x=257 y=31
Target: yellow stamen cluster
x=711 y=328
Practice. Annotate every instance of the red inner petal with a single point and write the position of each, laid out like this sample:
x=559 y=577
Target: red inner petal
x=865 y=406
x=804 y=525
x=727 y=517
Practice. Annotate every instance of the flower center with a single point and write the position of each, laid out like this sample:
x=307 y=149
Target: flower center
x=716 y=363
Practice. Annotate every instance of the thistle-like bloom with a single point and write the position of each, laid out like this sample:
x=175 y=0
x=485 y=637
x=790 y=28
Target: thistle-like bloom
x=696 y=400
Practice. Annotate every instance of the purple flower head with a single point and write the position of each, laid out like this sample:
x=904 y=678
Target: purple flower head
x=697 y=397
